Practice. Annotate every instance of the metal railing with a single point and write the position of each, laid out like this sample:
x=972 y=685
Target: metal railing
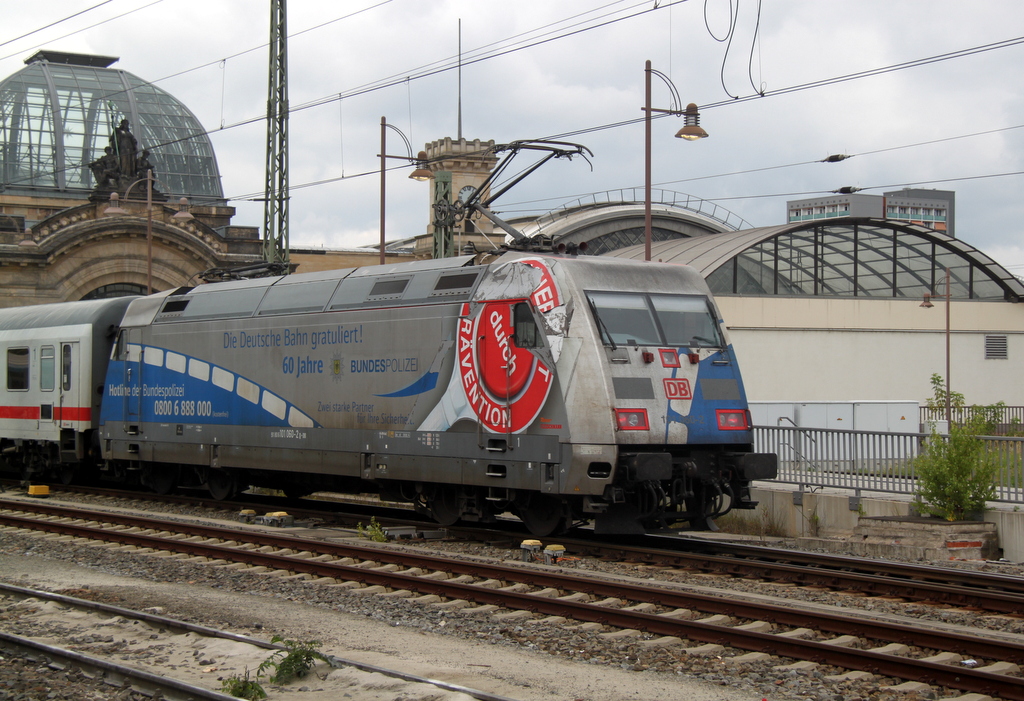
x=1004 y=416
x=873 y=462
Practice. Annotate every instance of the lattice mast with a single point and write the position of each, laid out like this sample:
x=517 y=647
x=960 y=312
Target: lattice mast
x=275 y=205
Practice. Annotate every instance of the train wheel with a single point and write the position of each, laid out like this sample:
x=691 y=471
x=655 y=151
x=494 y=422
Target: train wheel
x=444 y=506
x=221 y=483
x=543 y=515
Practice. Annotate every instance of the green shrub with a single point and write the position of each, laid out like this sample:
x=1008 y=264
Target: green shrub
x=955 y=473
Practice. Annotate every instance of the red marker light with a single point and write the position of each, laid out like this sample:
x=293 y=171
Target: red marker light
x=632 y=420
x=732 y=420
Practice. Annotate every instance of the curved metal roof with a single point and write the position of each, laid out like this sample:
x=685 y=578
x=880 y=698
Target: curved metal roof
x=56 y=116
x=844 y=257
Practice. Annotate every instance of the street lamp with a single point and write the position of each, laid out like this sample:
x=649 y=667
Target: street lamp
x=114 y=209
x=691 y=131
x=420 y=173
x=927 y=304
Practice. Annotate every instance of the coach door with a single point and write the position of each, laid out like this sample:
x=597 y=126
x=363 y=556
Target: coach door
x=72 y=408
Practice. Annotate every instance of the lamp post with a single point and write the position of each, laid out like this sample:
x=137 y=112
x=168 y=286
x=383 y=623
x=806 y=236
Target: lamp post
x=114 y=209
x=927 y=304
x=691 y=131
x=420 y=173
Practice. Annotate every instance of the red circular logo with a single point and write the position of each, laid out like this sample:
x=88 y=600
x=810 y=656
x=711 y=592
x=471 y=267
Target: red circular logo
x=505 y=385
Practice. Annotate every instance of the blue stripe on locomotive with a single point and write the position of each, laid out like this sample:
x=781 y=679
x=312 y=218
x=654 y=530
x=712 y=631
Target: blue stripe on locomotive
x=701 y=422
x=169 y=395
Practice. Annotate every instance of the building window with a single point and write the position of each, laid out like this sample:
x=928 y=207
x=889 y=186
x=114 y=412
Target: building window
x=995 y=348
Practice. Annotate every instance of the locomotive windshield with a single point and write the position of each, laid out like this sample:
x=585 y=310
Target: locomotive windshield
x=632 y=318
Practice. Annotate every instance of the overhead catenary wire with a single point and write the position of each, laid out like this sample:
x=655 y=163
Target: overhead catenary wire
x=408 y=77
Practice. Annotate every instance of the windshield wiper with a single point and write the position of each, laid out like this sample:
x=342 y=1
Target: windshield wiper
x=701 y=339
x=600 y=324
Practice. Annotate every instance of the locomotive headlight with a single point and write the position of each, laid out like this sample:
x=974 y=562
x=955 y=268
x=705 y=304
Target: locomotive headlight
x=732 y=419
x=632 y=420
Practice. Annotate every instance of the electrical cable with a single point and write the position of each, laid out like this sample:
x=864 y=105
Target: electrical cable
x=54 y=24
x=78 y=31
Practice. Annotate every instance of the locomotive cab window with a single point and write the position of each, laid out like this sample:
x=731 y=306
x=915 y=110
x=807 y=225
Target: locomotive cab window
x=47 y=368
x=625 y=318
x=524 y=327
x=631 y=318
x=687 y=321
x=17 y=369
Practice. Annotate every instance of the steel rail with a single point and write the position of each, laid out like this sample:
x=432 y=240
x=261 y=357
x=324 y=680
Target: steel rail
x=167 y=687
x=1010 y=688
x=971 y=596
x=174 y=623
x=986 y=590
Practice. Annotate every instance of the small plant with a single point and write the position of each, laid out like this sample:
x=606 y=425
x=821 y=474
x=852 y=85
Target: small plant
x=293 y=662
x=374 y=532
x=938 y=398
x=955 y=473
x=243 y=687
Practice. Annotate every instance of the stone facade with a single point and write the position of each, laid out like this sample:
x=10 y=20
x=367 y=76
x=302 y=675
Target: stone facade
x=74 y=250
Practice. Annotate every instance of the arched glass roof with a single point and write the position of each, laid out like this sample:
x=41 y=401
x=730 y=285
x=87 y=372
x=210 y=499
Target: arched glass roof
x=845 y=257
x=56 y=116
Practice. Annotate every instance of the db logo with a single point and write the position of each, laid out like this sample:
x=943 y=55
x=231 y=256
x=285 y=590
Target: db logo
x=677 y=388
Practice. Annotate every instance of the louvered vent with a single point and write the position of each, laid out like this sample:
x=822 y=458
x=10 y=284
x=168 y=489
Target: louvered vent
x=995 y=348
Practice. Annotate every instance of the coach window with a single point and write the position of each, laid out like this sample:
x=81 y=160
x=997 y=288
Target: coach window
x=47 y=367
x=65 y=362
x=17 y=368
x=525 y=328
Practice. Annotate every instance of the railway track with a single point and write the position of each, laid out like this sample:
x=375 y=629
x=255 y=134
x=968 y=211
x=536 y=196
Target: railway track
x=657 y=615
x=984 y=591
x=160 y=678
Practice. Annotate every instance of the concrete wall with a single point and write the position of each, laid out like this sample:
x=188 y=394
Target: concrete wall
x=829 y=515
x=805 y=349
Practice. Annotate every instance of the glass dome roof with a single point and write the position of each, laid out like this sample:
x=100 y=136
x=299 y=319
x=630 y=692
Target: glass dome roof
x=57 y=114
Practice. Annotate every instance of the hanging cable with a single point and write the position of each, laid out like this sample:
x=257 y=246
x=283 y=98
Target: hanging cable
x=750 y=60
x=223 y=72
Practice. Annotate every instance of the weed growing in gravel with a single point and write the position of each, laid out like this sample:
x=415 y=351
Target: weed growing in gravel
x=244 y=688
x=374 y=532
x=293 y=663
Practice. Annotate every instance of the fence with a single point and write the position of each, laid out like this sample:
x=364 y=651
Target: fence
x=1005 y=416
x=872 y=462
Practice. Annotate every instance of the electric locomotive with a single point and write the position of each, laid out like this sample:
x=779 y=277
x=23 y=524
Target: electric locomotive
x=560 y=389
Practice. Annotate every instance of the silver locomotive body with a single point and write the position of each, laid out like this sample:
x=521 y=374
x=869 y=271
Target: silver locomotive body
x=560 y=389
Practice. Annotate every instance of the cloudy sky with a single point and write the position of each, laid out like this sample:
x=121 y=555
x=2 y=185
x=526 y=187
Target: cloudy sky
x=920 y=94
